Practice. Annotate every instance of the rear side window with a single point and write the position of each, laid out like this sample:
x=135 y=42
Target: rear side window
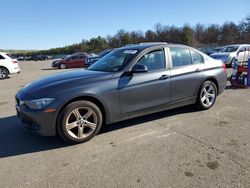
x=1 y=57
x=180 y=56
x=197 y=58
x=82 y=57
x=153 y=60
x=74 y=57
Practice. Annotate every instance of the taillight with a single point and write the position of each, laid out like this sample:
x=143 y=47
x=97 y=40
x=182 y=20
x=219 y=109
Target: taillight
x=224 y=67
x=14 y=61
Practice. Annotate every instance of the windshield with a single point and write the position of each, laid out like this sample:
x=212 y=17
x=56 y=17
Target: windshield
x=114 y=61
x=230 y=49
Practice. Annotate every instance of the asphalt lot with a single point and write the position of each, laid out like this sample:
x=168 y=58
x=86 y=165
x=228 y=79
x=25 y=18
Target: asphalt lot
x=176 y=148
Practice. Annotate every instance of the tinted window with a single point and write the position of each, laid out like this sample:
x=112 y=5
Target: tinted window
x=153 y=60
x=180 y=57
x=74 y=57
x=82 y=57
x=197 y=58
x=1 y=57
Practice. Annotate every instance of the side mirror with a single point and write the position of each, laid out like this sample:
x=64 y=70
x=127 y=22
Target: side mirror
x=139 y=68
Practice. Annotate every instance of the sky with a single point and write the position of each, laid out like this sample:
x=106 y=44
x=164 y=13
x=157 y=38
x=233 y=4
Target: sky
x=45 y=24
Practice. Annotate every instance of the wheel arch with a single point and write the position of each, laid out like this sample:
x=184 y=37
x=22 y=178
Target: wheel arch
x=213 y=79
x=93 y=99
x=5 y=68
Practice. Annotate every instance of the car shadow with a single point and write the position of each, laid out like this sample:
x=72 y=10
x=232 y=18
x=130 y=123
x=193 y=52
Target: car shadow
x=147 y=118
x=16 y=140
x=45 y=69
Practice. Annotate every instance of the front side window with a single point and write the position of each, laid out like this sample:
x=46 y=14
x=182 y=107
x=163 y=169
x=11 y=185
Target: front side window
x=153 y=60
x=197 y=58
x=180 y=56
x=114 y=61
x=1 y=57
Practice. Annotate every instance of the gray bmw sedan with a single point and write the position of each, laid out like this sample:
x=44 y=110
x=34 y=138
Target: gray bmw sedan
x=130 y=81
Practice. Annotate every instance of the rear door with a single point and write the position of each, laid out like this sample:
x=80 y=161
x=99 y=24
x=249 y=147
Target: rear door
x=2 y=60
x=186 y=73
x=149 y=89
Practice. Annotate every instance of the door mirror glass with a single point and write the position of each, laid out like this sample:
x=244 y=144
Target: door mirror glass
x=138 y=68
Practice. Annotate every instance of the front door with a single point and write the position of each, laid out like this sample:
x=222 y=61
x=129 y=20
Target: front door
x=149 y=89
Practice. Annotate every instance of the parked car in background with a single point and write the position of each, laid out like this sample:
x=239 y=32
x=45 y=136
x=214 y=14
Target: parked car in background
x=39 y=57
x=8 y=65
x=21 y=58
x=76 y=60
x=210 y=50
x=92 y=59
x=128 y=82
x=243 y=54
x=229 y=53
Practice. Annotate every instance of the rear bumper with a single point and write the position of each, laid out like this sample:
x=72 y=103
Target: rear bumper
x=15 y=70
x=222 y=83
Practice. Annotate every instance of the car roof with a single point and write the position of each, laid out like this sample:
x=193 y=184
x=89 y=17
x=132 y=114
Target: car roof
x=237 y=45
x=143 y=46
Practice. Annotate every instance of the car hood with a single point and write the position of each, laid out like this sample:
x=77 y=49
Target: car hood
x=61 y=81
x=220 y=55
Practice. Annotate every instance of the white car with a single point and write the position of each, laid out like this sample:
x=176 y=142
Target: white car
x=229 y=53
x=8 y=65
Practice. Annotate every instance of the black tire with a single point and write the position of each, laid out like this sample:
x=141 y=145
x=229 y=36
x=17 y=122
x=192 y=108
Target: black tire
x=231 y=63
x=72 y=135
x=62 y=66
x=200 y=102
x=3 y=73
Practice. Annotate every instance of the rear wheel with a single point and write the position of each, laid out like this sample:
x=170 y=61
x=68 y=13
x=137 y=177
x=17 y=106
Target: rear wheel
x=3 y=73
x=62 y=66
x=207 y=95
x=79 y=122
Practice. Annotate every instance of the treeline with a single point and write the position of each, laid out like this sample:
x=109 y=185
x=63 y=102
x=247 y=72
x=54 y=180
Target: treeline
x=197 y=36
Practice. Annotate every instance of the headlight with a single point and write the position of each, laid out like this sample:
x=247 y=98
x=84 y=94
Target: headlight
x=38 y=103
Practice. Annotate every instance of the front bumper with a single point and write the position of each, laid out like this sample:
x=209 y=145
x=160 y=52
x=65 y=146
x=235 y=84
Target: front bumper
x=39 y=121
x=54 y=65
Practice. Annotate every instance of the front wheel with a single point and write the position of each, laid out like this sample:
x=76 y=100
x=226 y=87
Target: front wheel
x=79 y=122
x=207 y=95
x=3 y=73
x=62 y=66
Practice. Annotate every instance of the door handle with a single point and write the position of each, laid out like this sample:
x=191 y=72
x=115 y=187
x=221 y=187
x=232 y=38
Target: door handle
x=198 y=70
x=164 y=77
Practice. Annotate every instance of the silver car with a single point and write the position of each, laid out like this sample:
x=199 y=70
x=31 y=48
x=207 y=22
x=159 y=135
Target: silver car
x=230 y=52
x=128 y=82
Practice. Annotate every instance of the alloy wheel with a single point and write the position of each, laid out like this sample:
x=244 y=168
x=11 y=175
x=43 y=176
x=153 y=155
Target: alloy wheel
x=208 y=95
x=81 y=122
x=3 y=73
x=62 y=66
